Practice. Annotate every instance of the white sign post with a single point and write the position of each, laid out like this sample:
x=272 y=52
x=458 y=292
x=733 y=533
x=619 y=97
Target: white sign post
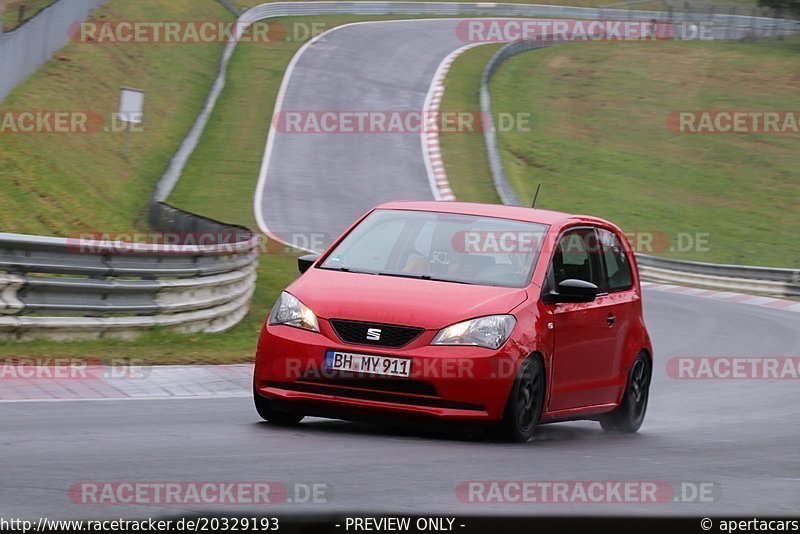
x=131 y=111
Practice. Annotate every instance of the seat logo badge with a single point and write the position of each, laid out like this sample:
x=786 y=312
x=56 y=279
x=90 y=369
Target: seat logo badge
x=374 y=334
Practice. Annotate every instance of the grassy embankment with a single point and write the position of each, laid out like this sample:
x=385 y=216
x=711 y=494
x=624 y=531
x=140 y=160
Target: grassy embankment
x=599 y=141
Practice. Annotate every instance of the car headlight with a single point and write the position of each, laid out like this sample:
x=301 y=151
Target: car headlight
x=490 y=332
x=290 y=311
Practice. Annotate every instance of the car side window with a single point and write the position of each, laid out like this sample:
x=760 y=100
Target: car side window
x=577 y=256
x=617 y=266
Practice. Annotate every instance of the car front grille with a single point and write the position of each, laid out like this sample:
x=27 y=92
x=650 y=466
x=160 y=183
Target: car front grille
x=388 y=335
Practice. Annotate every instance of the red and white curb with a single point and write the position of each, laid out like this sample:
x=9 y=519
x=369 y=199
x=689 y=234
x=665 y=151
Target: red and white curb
x=727 y=296
x=430 y=132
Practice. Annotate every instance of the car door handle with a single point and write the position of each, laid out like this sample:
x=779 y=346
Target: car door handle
x=611 y=319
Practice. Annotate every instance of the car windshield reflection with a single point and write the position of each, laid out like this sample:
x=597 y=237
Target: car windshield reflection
x=445 y=247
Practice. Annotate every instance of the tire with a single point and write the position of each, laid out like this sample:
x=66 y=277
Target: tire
x=525 y=402
x=628 y=418
x=270 y=414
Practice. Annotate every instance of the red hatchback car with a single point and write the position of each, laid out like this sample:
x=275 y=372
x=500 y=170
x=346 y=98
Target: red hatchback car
x=456 y=311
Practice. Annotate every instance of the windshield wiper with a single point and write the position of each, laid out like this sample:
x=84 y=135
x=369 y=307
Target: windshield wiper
x=422 y=277
x=347 y=270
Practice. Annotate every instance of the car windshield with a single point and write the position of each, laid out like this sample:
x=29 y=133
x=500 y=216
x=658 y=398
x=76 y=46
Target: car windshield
x=441 y=246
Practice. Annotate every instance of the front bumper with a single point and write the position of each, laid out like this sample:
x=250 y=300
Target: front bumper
x=446 y=382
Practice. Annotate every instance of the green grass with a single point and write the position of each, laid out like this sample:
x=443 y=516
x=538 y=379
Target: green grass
x=81 y=182
x=65 y=184
x=11 y=18
x=599 y=143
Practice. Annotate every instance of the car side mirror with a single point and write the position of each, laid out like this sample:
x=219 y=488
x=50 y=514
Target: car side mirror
x=572 y=290
x=304 y=263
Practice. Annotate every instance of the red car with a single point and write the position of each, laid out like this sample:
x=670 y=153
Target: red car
x=455 y=311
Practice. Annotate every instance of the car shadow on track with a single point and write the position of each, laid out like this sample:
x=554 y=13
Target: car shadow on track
x=555 y=433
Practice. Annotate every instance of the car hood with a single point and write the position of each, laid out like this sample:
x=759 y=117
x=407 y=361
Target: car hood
x=404 y=301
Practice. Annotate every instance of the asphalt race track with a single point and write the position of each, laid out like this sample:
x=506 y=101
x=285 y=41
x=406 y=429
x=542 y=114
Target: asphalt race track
x=740 y=435
x=317 y=184
x=320 y=183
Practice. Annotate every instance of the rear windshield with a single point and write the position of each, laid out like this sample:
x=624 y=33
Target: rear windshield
x=441 y=246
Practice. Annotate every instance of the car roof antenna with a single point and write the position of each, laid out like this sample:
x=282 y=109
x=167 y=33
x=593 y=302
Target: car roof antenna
x=535 y=196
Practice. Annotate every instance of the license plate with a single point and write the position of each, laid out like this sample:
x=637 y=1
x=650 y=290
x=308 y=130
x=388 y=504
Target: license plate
x=336 y=360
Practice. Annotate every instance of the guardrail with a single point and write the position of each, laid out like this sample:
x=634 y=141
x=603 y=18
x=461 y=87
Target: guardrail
x=767 y=280
x=750 y=279
x=86 y=288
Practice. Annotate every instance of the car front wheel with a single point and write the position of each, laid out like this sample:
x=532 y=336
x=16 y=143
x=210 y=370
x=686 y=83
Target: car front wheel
x=524 y=407
x=630 y=414
x=269 y=413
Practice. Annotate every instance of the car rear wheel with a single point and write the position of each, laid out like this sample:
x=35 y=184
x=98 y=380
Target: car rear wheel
x=524 y=407
x=269 y=413
x=630 y=414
